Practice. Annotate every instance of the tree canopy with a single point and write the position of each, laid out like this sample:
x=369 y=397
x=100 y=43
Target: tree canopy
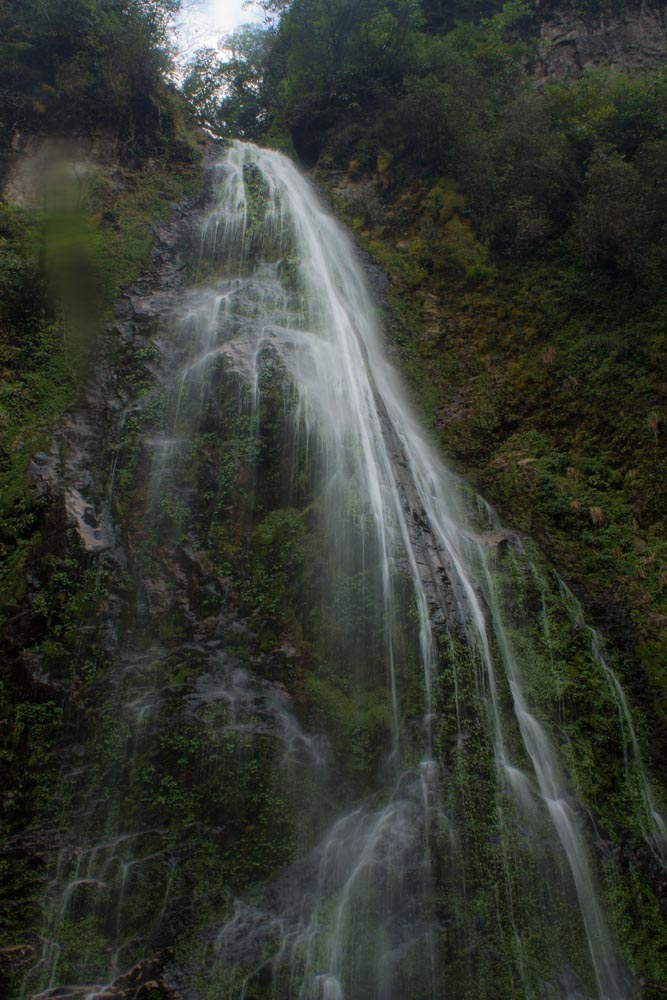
x=82 y=65
x=444 y=88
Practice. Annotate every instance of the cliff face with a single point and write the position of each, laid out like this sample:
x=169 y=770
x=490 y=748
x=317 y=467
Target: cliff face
x=188 y=650
x=40 y=167
x=169 y=594
x=627 y=37
x=533 y=354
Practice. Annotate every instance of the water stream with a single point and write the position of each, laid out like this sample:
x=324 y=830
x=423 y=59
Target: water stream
x=371 y=448
x=440 y=846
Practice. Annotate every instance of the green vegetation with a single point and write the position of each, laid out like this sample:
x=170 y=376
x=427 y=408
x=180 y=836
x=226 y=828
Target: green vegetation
x=85 y=233
x=524 y=232
x=544 y=385
x=80 y=233
x=523 y=229
x=47 y=344
x=81 y=66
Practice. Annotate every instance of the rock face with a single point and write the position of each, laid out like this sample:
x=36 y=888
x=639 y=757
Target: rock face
x=625 y=37
x=40 y=167
x=145 y=981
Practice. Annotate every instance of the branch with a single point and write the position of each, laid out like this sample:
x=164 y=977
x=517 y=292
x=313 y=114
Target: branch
x=647 y=984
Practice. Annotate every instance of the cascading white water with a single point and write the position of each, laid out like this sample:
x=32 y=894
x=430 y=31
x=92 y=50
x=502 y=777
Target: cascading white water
x=397 y=718
x=382 y=488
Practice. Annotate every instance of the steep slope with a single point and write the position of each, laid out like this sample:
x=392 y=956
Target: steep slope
x=288 y=710
x=325 y=730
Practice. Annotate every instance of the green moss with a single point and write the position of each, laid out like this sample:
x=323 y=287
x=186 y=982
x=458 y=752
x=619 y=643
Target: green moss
x=637 y=922
x=51 y=262
x=360 y=721
x=279 y=546
x=518 y=391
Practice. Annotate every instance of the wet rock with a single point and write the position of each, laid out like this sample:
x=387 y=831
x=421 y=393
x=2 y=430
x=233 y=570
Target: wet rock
x=288 y=650
x=630 y=36
x=67 y=993
x=146 y=976
x=39 y=678
x=14 y=957
x=207 y=628
x=81 y=514
x=500 y=539
x=145 y=980
x=44 y=471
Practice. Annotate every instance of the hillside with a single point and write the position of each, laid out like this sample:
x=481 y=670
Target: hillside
x=506 y=168
x=316 y=687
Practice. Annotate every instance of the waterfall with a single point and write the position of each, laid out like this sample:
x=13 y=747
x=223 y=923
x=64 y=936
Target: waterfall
x=386 y=725
x=385 y=492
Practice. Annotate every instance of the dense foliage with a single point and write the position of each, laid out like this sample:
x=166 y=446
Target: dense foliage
x=523 y=224
x=75 y=66
x=524 y=230
x=445 y=90
x=71 y=70
x=96 y=146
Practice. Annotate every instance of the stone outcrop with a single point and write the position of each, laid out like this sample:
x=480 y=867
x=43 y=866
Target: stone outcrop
x=629 y=37
x=40 y=169
x=145 y=981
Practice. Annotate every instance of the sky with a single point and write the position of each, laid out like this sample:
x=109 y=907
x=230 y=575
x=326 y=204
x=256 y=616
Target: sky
x=206 y=21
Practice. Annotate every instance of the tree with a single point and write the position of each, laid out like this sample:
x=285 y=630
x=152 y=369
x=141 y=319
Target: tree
x=614 y=222
x=229 y=88
x=81 y=64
